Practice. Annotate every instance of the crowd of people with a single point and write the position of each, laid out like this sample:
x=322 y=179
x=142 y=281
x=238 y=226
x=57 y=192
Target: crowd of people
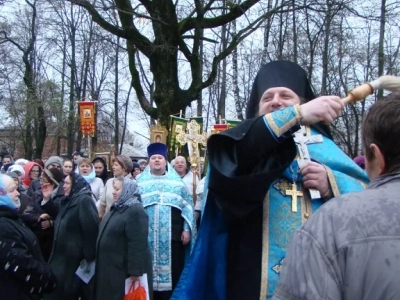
x=71 y=213
x=281 y=213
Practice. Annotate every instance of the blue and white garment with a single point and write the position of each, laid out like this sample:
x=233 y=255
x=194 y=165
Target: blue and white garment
x=204 y=276
x=159 y=194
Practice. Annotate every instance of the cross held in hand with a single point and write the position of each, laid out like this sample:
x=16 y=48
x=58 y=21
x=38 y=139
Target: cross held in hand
x=302 y=140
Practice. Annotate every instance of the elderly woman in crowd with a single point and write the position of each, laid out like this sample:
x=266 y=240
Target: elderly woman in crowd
x=23 y=271
x=22 y=162
x=122 y=245
x=19 y=170
x=75 y=233
x=23 y=199
x=86 y=170
x=122 y=167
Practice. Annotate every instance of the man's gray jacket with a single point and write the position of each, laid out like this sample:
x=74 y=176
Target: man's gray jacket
x=349 y=249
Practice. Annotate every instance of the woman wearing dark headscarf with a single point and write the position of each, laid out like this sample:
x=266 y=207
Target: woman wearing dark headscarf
x=75 y=233
x=253 y=204
x=122 y=245
x=100 y=167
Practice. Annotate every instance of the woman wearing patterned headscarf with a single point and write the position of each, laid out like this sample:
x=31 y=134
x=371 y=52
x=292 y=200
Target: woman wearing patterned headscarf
x=75 y=232
x=122 y=166
x=122 y=245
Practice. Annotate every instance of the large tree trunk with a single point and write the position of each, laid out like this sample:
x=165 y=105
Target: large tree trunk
x=294 y=28
x=60 y=116
x=116 y=93
x=238 y=102
x=170 y=35
x=381 y=53
x=222 y=95
x=325 y=52
x=71 y=107
x=32 y=94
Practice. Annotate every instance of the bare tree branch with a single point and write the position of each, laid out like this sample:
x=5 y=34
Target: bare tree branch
x=236 y=10
x=99 y=19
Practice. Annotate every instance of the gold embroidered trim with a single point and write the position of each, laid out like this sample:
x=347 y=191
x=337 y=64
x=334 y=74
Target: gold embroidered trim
x=279 y=131
x=365 y=186
x=298 y=111
x=306 y=209
x=265 y=248
x=332 y=181
x=308 y=130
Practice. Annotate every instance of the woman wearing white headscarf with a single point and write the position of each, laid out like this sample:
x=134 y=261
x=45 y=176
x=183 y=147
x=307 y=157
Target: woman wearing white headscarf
x=86 y=170
x=122 y=244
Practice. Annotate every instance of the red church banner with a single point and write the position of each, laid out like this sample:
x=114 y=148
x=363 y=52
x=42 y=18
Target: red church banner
x=86 y=113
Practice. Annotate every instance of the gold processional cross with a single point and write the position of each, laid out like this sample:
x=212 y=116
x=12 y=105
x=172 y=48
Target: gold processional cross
x=193 y=137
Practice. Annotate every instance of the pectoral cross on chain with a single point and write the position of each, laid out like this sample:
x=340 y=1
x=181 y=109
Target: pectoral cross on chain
x=302 y=140
x=294 y=193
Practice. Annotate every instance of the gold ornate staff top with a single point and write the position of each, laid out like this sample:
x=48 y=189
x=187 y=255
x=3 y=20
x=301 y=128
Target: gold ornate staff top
x=193 y=137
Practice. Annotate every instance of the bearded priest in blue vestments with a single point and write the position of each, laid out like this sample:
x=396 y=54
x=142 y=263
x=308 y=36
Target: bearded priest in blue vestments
x=259 y=192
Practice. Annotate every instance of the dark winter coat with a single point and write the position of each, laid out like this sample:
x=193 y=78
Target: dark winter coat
x=31 y=217
x=25 y=200
x=122 y=251
x=75 y=233
x=23 y=273
x=34 y=187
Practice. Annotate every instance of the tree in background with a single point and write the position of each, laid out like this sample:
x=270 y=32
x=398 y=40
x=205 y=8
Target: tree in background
x=177 y=30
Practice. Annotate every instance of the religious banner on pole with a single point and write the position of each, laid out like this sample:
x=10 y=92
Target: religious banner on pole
x=87 y=120
x=217 y=128
x=199 y=120
x=227 y=124
x=158 y=134
x=177 y=126
x=231 y=123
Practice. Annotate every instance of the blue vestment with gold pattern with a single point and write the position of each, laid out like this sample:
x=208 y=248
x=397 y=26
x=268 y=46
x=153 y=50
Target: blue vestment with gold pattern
x=160 y=194
x=205 y=276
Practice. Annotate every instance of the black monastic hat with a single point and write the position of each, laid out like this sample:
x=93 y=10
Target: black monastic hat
x=282 y=74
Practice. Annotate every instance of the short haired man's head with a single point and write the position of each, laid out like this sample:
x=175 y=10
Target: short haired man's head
x=381 y=130
x=7 y=159
x=76 y=156
x=180 y=165
x=142 y=163
x=54 y=162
